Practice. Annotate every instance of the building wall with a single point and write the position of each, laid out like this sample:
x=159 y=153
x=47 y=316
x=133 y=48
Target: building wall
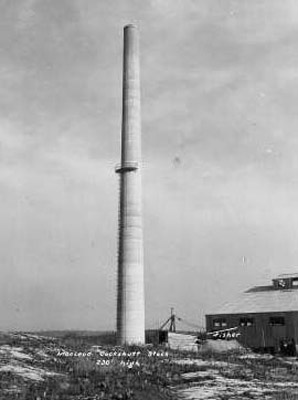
x=261 y=334
x=293 y=327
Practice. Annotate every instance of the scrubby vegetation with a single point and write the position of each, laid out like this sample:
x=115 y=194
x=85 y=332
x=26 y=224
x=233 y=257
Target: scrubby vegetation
x=80 y=371
x=35 y=368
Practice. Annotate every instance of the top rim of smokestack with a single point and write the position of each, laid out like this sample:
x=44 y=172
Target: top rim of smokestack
x=130 y=26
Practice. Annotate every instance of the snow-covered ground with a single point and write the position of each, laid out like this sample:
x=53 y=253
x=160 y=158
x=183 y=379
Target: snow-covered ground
x=218 y=386
x=32 y=360
x=24 y=361
x=26 y=372
x=11 y=352
x=232 y=380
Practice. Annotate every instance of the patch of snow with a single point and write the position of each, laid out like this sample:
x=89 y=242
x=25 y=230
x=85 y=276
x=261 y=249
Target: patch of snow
x=26 y=336
x=219 y=386
x=200 y=374
x=15 y=352
x=17 y=335
x=24 y=372
x=33 y=336
x=199 y=393
x=19 y=355
x=286 y=384
x=256 y=356
x=205 y=363
x=42 y=354
x=188 y=361
x=214 y=389
x=27 y=372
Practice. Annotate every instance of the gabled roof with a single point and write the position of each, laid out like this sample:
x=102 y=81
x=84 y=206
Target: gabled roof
x=260 y=301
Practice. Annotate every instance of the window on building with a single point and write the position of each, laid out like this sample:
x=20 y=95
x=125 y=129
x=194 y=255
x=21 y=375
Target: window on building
x=277 y=321
x=220 y=323
x=282 y=283
x=245 y=321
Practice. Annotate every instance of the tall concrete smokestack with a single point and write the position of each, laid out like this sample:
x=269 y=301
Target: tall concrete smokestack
x=130 y=300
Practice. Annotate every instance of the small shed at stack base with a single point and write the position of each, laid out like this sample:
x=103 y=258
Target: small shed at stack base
x=267 y=316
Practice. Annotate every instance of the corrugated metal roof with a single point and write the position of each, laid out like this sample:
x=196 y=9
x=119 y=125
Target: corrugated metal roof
x=260 y=302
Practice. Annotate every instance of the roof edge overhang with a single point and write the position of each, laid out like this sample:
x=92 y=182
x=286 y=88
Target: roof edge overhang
x=251 y=312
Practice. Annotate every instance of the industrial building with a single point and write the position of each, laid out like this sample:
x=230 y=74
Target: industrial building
x=266 y=316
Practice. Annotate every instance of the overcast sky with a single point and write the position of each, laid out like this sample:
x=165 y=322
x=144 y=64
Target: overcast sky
x=220 y=144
